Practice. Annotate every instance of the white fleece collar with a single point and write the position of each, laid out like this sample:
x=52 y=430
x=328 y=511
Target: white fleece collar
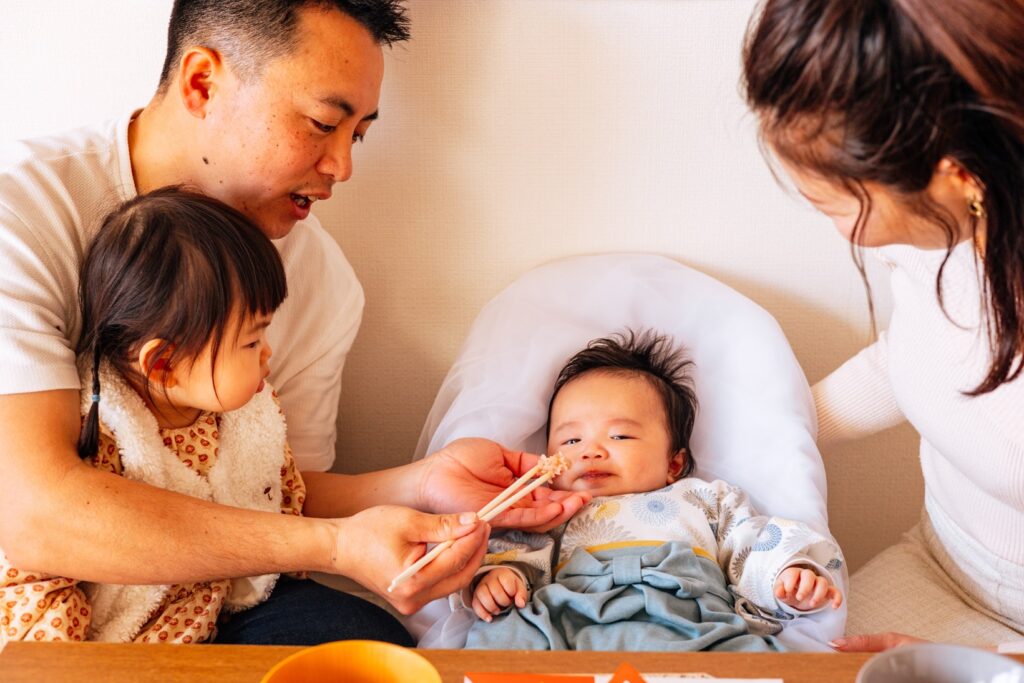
x=247 y=474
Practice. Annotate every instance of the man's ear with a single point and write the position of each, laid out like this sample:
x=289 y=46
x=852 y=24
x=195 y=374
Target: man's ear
x=153 y=362
x=675 y=466
x=199 y=70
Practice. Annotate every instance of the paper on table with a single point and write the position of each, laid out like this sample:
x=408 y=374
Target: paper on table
x=606 y=678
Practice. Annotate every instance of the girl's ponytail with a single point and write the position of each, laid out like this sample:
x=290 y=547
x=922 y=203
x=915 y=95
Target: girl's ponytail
x=89 y=439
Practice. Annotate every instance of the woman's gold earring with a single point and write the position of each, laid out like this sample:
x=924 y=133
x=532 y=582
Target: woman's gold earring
x=975 y=207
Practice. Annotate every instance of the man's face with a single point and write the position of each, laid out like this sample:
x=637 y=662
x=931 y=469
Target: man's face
x=277 y=143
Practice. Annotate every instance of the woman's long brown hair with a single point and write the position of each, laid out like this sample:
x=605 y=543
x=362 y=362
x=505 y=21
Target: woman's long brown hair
x=881 y=91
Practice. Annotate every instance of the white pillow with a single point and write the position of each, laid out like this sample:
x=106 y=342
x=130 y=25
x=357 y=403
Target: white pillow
x=756 y=424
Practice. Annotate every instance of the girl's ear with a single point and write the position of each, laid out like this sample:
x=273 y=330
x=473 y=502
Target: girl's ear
x=675 y=466
x=153 y=362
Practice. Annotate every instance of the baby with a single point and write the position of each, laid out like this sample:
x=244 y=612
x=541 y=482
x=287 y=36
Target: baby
x=658 y=560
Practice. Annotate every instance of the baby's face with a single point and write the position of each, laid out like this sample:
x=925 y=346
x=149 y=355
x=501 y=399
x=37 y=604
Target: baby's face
x=613 y=428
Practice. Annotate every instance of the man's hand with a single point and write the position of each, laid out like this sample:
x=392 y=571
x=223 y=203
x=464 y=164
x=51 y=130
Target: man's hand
x=497 y=590
x=873 y=642
x=466 y=474
x=803 y=589
x=377 y=544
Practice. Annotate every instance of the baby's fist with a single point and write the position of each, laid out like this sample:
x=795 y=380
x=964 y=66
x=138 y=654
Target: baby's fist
x=803 y=589
x=497 y=591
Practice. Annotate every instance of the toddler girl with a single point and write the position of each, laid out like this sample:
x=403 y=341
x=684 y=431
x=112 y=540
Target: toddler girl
x=177 y=290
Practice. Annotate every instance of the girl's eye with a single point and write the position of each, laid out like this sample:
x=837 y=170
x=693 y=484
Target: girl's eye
x=323 y=127
x=253 y=345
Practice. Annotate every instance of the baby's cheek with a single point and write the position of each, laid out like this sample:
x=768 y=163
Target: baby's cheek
x=562 y=483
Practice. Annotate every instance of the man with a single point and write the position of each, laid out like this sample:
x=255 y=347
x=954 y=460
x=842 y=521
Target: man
x=259 y=104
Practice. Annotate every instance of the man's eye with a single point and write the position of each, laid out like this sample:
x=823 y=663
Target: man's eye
x=358 y=137
x=323 y=127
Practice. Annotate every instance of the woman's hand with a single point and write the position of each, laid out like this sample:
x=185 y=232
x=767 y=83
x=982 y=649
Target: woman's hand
x=467 y=473
x=377 y=544
x=873 y=642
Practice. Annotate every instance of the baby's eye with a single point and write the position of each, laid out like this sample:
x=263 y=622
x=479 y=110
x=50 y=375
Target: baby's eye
x=323 y=127
x=570 y=442
x=621 y=437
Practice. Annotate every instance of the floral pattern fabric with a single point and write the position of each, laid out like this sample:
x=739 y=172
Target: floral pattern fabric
x=715 y=518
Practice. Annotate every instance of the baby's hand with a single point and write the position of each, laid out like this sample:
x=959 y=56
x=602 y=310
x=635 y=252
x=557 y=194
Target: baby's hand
x=496 y=591
x=802 y=589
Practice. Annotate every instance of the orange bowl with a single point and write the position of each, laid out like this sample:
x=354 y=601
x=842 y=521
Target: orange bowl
x=354 y=661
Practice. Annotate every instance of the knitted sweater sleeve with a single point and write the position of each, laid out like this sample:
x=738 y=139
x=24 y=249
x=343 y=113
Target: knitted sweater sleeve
x=856 y=399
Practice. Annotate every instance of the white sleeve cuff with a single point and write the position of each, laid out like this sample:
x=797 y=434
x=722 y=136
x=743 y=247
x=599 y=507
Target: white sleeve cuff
x=808 y=563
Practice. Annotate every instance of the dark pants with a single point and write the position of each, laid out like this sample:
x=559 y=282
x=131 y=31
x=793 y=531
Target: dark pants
x=304 y=612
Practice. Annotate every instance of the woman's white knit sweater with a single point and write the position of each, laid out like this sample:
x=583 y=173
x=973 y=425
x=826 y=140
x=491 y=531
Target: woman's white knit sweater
x=972 y=449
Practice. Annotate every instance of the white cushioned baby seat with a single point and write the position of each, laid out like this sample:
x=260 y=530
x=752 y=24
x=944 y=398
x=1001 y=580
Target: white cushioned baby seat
x=756 y=424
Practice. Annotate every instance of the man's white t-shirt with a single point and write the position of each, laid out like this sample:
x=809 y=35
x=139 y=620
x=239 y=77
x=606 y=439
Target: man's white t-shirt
x=55 y=192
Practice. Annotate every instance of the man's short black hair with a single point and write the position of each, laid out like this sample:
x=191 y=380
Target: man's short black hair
x=652 y=357
x=251 y=32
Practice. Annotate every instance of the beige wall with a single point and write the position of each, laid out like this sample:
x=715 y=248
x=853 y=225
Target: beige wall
x=513 y=132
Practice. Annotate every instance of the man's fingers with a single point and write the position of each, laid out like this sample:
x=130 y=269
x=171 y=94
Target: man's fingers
x=451 y=570
x=529 y=517
x=460 y=563
x=438 y=528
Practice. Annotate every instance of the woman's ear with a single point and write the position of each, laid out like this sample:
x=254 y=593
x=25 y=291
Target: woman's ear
x=153 y=362
x=951 y=177
x=676 y=465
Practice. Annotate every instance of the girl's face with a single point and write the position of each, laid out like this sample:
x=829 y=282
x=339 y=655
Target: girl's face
x=239 y=370
x=237 y=375
x=613 y=428
x=890 y=220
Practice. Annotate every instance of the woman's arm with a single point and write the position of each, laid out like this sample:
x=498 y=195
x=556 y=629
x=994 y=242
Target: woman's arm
x=856 y=399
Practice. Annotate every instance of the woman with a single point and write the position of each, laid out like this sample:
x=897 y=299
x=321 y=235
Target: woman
x=903 y=121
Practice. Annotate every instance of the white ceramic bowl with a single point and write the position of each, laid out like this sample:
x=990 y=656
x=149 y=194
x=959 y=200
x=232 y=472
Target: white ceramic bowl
x=938 y=663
